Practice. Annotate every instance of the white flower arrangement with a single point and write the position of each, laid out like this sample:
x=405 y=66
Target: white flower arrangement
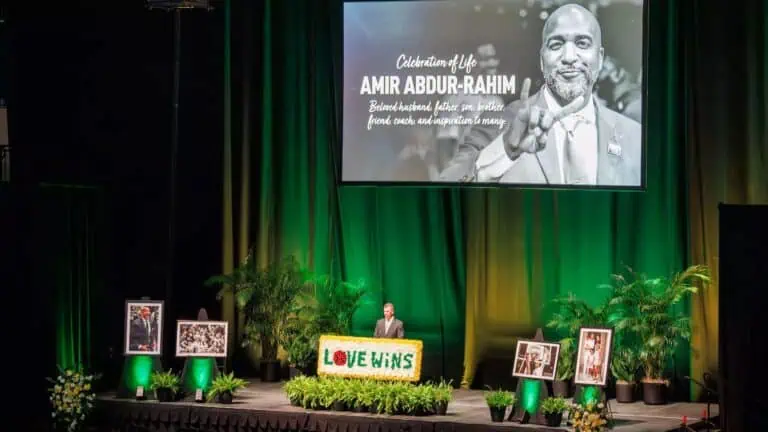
x=72 y=398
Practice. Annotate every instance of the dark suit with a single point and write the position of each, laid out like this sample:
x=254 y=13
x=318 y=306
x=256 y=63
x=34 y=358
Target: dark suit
x=140 y=335
x=619 y=159
x=396 y=329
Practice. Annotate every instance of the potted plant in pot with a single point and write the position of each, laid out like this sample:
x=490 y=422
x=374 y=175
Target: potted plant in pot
x=498 y=401
x=165 y=385
x=553 y=409
x=224 y=387
x=647 y=309
x=265 y=295
x=366 y=397
x=423 y=397
x=338 y=390
x=295 y=389
x=443 y=396
x=624 y=367
x=300 y=344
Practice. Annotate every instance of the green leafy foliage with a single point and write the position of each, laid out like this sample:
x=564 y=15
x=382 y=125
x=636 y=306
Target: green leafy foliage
x=165 y=380
x=499 y=398
x=647 y=314
x=554 y=405
x=225 y=384
x=624 y=365
x=384 y=397
x=326 y=307
x=566 y=362
x=265 y=296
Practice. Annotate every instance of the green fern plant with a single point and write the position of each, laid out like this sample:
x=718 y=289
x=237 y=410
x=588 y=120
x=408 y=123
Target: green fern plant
x=225 y=384
x=553 y=405
x=165 y=380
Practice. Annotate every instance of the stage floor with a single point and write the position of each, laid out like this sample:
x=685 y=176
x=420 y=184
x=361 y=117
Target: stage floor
x=468 y=408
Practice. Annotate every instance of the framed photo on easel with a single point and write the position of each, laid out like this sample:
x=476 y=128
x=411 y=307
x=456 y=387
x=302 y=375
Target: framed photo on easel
x=594 y=356
x=201 y=338
x=536 y=360
x=143 y=327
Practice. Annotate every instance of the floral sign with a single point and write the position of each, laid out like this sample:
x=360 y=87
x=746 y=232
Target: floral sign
x=358 y=357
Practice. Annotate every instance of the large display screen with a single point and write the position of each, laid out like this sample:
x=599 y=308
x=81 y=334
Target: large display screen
x=494 y=92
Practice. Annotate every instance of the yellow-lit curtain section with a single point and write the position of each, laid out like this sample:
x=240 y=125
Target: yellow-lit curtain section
x=728 y=145
x=500 y=302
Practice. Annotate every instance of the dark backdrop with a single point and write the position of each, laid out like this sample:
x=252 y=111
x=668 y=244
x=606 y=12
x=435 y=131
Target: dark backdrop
x=90 y=115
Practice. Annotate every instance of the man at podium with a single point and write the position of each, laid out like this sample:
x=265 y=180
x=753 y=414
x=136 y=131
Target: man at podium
x=389 y=326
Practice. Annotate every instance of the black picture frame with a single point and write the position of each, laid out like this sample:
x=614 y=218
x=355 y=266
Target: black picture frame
x=531 y=342
x=338 y=154
x=157 y=320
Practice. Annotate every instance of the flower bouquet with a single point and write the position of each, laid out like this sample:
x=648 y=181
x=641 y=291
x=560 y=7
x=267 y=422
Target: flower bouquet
x=589 y=417
x=72 y=398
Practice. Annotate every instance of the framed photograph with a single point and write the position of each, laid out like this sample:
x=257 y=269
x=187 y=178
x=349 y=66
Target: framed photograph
x=594 y=356
x=201 y=338
x=143 y=327
x=537 y=360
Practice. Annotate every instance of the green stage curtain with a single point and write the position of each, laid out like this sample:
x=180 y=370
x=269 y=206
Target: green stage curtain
x=406 y=243
x=473 y=271
x=728 y=142
x=67 y=234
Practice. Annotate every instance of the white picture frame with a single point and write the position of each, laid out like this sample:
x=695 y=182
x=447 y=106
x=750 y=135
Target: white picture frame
x=536 y=360
x=143 y=327
x=593 y=357
x=202 y=338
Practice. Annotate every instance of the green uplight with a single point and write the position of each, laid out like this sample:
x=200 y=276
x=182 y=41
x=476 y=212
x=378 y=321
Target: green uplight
x=199 y=373
x=530 y=396
x=590 y=394
x=140 y=372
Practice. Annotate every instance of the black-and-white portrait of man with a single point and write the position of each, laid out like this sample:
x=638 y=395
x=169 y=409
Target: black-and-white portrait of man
x=560 y=133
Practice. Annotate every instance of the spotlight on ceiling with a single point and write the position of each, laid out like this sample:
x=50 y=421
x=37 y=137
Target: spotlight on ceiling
x=179 y=4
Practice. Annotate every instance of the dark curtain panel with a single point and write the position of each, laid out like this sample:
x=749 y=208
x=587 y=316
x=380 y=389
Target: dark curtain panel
x=727 y=136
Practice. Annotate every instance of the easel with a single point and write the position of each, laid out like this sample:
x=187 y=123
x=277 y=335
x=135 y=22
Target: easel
x=139 y=366
x=520 y=414
x=190 y=386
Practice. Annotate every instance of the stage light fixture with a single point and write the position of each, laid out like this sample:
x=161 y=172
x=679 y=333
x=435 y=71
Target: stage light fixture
x=179 y=4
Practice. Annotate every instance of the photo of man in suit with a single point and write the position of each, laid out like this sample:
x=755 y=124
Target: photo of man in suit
x=561 y=135
x=389 y=326
x=143 y=329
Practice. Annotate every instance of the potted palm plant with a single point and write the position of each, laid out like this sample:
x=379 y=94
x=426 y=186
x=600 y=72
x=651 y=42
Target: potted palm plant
x=646 y=307
x=224 y=388
x=266 y=296
x=624 y=367
x=498 y=401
